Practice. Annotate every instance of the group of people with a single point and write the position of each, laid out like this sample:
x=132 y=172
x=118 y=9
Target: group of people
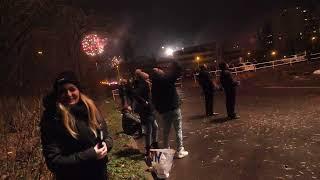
x=74 y=135
x=228 y=84
x=155 y=93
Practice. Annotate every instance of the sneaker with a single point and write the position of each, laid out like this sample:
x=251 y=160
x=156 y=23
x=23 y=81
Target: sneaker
x=182 y=153
x=215 y=114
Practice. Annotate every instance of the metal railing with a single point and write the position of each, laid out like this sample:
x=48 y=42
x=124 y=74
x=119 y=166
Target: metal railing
x=270 y=64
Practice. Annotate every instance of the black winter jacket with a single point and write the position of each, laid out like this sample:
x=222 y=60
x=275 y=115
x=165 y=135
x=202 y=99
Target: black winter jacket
x=227 y=81
x=164 y=93
x=142 y=96
x=67 y=157
x=205 y=81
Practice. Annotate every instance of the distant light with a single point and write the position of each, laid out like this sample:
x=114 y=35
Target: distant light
x=198 y=58
x=306 y=19
x=169 y=52
x=313 y=38
x=40 y=52
x=182 y=48
x=301 y=34
x=249 y=53
x=273 y=53
x=284 y=56
x=162 y=47
x=304 y=11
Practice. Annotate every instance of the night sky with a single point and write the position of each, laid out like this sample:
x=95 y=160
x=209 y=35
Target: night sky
x=155 y=23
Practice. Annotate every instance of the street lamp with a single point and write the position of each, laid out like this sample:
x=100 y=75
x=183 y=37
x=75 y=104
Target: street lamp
x=198 y=61
x=169 y=51
x=273 y=53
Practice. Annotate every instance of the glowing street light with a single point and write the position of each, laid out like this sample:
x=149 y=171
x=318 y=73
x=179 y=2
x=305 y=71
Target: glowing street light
x=198 y=60
x=169 y=51
x=274 y=53
x=313 y=38
x=40 y=52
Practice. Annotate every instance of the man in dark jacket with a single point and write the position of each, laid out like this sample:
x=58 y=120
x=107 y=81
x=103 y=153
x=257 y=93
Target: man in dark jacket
x=167 y=102
x=208 y=89
x=229 y=85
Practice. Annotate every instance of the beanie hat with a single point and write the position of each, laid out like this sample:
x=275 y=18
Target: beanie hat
x=66 y=77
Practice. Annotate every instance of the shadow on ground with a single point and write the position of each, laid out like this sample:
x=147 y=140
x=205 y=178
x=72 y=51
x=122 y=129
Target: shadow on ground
x=197 y=117
x=220 y=120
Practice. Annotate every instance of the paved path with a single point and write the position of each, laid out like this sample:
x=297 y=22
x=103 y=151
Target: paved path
x=277 y=137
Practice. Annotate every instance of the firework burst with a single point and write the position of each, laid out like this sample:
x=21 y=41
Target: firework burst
x=93 y=45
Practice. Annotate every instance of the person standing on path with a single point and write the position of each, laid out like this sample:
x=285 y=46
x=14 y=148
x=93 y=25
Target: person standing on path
x=229 y=86
x=167 y=102
x=142 y=96
x=208 y=88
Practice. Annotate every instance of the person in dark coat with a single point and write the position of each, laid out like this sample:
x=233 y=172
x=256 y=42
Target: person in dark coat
x=229 y=86
x=125 y=93
x=166 y=101
x=142 y=96
x=74 y=135
x=208 y=88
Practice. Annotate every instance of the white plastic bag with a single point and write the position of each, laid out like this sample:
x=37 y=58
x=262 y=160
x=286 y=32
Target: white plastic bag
x=162 y=161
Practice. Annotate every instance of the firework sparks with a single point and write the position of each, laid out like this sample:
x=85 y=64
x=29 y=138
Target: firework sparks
x=93 y=45
x=115 y=62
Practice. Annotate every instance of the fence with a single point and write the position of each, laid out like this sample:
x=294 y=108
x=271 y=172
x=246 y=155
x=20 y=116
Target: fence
x=270 y=64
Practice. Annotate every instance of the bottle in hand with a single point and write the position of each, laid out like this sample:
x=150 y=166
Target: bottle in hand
x=100 y=138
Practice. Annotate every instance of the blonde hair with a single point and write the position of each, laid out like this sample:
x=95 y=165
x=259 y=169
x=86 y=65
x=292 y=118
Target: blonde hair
x=69 y=120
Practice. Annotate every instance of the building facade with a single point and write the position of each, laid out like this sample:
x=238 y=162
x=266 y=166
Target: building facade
x=192 y=57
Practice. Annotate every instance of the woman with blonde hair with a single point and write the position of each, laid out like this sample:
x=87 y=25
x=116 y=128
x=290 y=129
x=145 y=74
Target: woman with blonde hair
x=74 y=135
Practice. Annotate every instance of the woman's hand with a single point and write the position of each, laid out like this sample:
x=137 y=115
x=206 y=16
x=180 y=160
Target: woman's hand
x=101 y=152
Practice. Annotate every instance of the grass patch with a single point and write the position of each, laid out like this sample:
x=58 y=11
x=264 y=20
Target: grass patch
x=125 y=162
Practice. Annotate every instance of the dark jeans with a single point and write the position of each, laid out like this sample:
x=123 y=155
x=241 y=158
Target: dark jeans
x=230 y=101
x=151 y=125
x=208 y=97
